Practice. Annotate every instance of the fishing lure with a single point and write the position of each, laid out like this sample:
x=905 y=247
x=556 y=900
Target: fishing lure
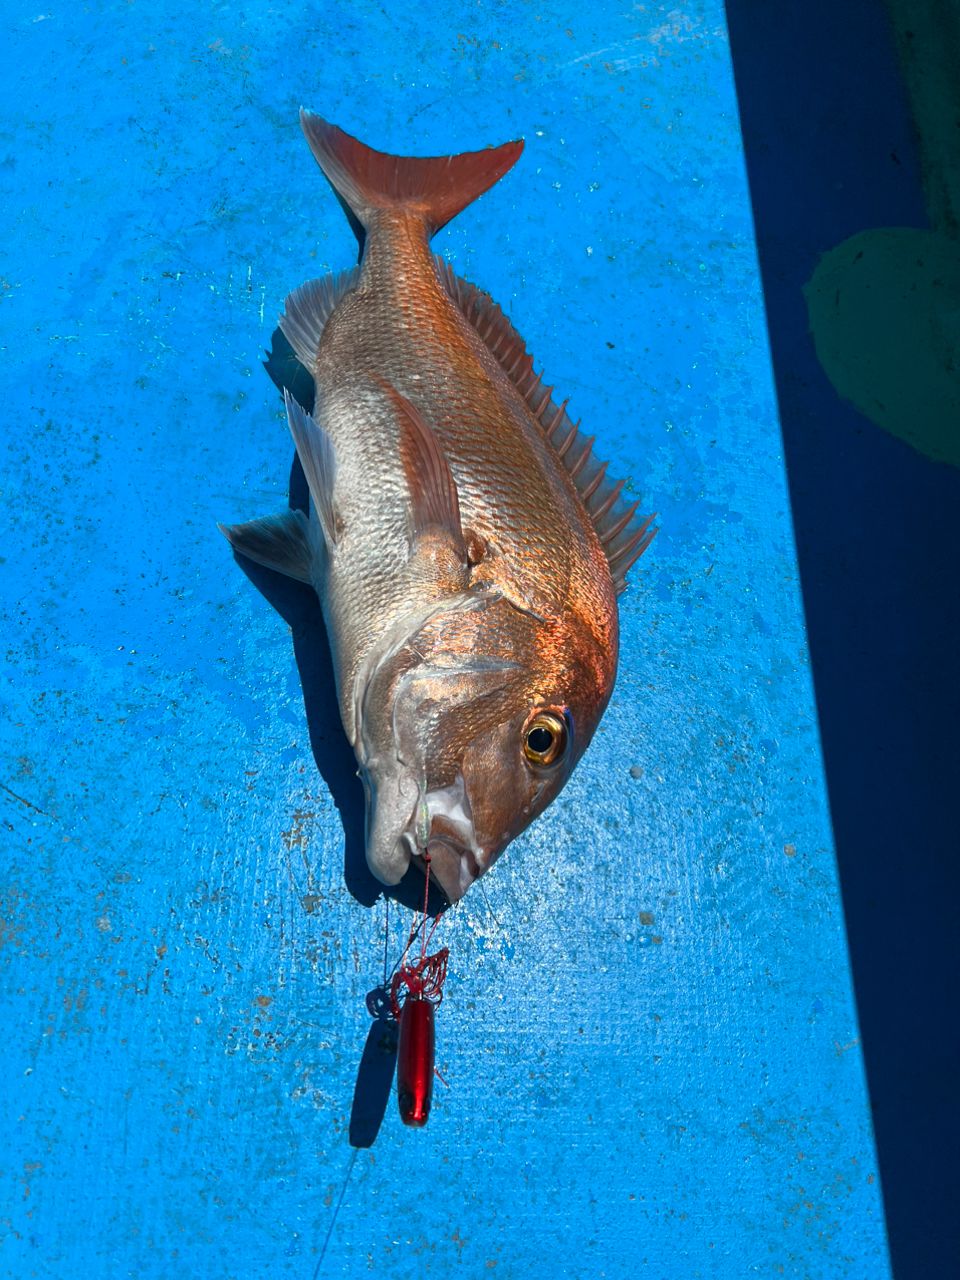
x=415 y=1014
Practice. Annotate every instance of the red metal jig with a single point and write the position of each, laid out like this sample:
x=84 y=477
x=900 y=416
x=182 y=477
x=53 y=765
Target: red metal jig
x=415 y=1049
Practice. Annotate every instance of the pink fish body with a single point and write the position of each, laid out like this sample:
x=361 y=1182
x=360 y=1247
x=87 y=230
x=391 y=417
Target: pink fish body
x=465 y=543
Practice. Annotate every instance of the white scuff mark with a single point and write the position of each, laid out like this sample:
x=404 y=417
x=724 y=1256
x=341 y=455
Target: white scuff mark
x=680 y=28
x=601 y=52
x=676 y=28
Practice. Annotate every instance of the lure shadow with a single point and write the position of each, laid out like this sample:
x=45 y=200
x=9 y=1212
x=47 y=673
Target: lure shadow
x=299 y=607
x=371 y=1093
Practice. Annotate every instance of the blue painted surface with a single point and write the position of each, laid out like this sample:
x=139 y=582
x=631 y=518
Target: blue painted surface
x=649 y=1032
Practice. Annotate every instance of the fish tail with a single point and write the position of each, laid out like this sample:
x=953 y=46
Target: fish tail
x=434 y=189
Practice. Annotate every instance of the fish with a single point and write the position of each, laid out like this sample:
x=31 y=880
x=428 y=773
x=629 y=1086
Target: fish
x=467 y=545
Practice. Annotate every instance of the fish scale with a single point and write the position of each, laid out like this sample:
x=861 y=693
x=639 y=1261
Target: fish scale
x=507 y=477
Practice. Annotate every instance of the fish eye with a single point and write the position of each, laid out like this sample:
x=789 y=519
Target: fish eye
x=545 y=738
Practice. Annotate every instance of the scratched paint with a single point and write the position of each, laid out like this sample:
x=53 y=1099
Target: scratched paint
x=648 y=1030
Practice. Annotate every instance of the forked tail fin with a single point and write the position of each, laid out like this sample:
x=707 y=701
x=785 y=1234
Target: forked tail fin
x=436 y=188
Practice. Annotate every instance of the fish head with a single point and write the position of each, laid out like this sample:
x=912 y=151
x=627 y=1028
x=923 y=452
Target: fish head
x=470 y=728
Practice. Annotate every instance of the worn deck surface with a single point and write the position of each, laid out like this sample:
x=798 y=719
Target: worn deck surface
x=649 y=1033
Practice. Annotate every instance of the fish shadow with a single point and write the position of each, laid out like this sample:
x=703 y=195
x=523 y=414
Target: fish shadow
x=299 y=607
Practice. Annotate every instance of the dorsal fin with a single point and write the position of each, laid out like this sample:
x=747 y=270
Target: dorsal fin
x=308 y=309
x=623 y=533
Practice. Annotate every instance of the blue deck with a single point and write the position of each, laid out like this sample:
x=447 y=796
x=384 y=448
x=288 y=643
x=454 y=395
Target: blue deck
x=649 y=1033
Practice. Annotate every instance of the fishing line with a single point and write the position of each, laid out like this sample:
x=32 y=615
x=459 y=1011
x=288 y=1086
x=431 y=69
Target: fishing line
x=423 y=980
x=333 y=1220
x=483 y=894
x=386 y=942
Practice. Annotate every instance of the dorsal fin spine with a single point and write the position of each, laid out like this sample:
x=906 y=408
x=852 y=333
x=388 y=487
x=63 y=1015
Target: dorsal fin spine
x=553 y=433
x=624 y=541
x=544 y=403
x=557 y=419
x=601 y=496
x=577 y=467
x=619 y=525
x=631 y=551
x=608 y=502
x=587 y=493
x=564 y=448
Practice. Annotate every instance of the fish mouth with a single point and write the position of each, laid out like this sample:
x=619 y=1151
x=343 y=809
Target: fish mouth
x=437 y=830
x=455 y=856
x=452 y=865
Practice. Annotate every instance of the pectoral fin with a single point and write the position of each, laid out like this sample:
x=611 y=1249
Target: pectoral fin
x=434 y=501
